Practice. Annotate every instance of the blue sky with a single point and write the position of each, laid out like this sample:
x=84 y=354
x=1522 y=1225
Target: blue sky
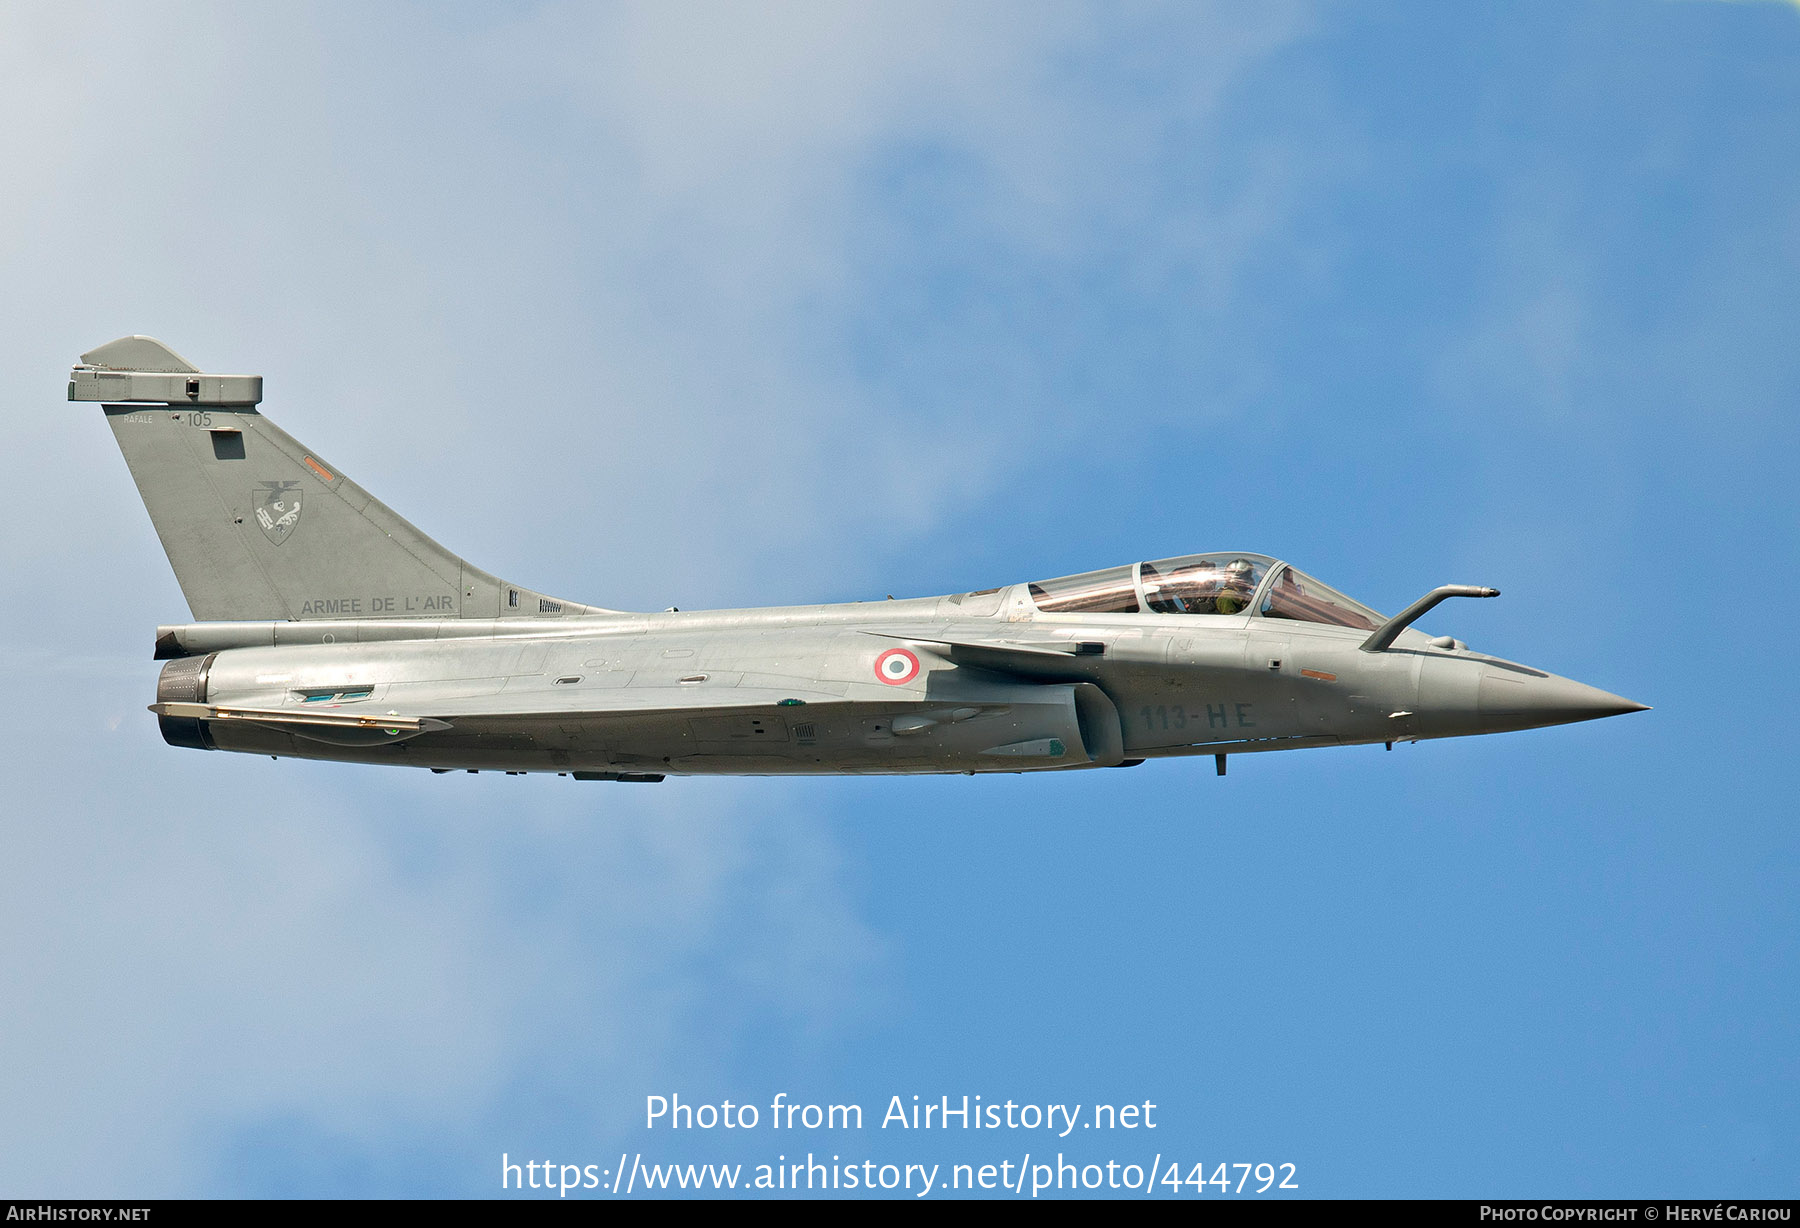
x=657 y=305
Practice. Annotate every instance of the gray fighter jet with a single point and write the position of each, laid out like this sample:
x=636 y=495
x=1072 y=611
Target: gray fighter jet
x=330 y=628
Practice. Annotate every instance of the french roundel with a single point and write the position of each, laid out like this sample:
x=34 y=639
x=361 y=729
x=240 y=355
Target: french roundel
x=896 y=666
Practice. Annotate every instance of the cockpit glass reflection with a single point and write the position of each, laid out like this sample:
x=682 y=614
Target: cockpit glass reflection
x=1222 y=583
x=1203 y=584
x=1298 y=596
x=1095 y=592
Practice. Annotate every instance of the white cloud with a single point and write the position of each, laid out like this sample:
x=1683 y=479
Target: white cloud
x=243 y=940
x=588 y=262
x=553 y=286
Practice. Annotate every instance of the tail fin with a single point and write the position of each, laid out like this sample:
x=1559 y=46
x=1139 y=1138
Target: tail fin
x=257 y=526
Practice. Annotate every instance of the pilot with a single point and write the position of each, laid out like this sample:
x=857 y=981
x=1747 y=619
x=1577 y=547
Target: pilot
x=1236 y=589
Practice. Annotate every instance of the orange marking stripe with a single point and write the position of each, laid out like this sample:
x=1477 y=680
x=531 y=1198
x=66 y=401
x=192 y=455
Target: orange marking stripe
x=1320 y=674
x=317 y=468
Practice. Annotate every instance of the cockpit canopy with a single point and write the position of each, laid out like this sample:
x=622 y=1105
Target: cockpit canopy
x=1222 y=583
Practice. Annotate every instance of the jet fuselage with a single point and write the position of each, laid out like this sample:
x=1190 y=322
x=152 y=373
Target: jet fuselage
x=998 y=686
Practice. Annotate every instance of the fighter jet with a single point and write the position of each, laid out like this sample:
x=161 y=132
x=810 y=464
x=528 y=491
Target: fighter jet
x=327 y=627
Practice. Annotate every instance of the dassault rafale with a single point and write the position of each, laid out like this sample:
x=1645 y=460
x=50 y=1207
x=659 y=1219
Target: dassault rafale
x=327 y=627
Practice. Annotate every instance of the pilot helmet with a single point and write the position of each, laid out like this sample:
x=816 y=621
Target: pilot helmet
x=1237 y=592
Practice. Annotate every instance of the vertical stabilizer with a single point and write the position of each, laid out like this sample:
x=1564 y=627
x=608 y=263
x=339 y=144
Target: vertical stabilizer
x=256 y=525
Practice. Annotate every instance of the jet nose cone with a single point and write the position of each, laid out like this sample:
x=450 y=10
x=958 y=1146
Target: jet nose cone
x=1520 y=700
